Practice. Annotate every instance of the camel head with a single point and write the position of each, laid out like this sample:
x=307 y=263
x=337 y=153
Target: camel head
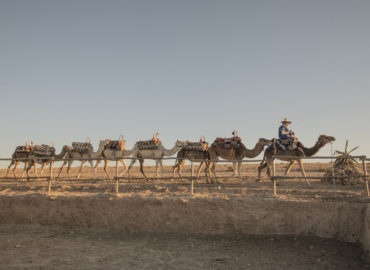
x=264 y=141
x=103 y=143
x=180 y=143
x=324 y=139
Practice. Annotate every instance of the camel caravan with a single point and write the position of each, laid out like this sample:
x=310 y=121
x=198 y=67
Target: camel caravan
x=230 y=149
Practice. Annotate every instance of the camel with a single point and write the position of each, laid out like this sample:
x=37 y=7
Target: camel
x=216 y=151
x=76 y=155
x=18 y=157
x=112 y=154
x=33 y=159
x=190 y=154
x=156 y=154
x=272 y=152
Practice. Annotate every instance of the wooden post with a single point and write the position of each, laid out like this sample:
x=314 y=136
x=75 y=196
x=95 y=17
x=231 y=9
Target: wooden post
x=365 y=176
x=51 y=173
x=192 y=186
x=273 y=176
x=333 y=175
x=117 y=176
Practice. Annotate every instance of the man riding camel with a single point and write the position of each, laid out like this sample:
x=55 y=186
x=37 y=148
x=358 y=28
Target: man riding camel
x=286 y=135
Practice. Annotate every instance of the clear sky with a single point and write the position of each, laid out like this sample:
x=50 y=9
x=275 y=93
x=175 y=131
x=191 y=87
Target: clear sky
x=71 y=69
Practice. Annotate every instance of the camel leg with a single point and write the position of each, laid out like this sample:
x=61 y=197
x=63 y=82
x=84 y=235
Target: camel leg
x=234 y=170
x=68 y=168
x=192 y=169
x=130 y=166
x=10 y=165
x=239 y=165
x=92 y=168
x=199 y=168
x=42 y=167
x=61 y=168
x=300 y=162
x=81 y=167
x=24 y=169
x=14 y=168
x=34 y=163
x=106 y=168
x=97 y=163
x=181 y=164
x=161 y=165
x=213 y=169
x=141 y=161
x=260 y=168
x=287 y=171
x=124 y=166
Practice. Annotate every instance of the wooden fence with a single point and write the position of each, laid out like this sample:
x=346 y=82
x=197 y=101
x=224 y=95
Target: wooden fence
x=274 y=176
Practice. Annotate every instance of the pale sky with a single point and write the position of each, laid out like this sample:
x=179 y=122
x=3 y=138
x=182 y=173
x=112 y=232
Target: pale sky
x=71 y=69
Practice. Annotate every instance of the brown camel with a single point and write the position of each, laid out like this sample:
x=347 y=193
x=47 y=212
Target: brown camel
x=216 y=151
x=272 y=152
x=190 y=154
x=44 y=159
x=18 y=157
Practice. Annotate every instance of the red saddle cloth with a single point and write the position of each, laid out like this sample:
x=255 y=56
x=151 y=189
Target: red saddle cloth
x=233 y=142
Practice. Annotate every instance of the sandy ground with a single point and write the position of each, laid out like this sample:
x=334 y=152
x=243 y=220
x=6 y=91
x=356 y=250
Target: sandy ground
x=293 y=189
x=48 y=247
x=37 y=247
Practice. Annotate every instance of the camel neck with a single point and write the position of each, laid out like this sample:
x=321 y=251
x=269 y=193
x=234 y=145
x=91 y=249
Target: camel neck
x=251 y=153
x=309 y=152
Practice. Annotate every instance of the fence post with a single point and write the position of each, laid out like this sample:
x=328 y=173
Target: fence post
x=273 y=175
x=51 y=173
x=365 y=176
x=117 y=176
x=192 y=186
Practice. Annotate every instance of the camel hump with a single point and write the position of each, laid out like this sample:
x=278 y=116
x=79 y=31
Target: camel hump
x=82 y=147
x=233 y=142
x=119 y=145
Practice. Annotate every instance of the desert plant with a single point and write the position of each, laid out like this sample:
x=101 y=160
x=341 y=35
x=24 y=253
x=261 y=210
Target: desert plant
x=344 y=158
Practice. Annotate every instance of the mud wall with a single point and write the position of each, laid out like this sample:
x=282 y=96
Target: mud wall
x=340 y=220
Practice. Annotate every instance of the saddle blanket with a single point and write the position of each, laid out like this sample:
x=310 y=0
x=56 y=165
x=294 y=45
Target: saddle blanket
x=82 y=147
x=228 y=143
x=285 y=144
x=24 y=148
x=150 y=144
x=44 y=150
x=200 y=146
x=119 y=145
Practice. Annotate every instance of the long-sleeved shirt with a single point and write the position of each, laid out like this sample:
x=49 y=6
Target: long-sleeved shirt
x=284 y=132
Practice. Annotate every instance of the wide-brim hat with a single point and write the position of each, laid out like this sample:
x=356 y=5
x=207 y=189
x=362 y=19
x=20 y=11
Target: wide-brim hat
x=286 y=121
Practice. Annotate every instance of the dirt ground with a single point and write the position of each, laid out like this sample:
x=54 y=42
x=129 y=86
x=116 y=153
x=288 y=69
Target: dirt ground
x=51 y=247
x=38 y=247
x=292 y=189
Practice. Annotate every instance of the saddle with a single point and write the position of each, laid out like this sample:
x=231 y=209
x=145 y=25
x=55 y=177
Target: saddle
x=286 y=144
x=149 y=144
x=202 y=145
x=228 y=143
x=44 y=150
x=119 y=145
x=82 y=147
x=25 y=148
